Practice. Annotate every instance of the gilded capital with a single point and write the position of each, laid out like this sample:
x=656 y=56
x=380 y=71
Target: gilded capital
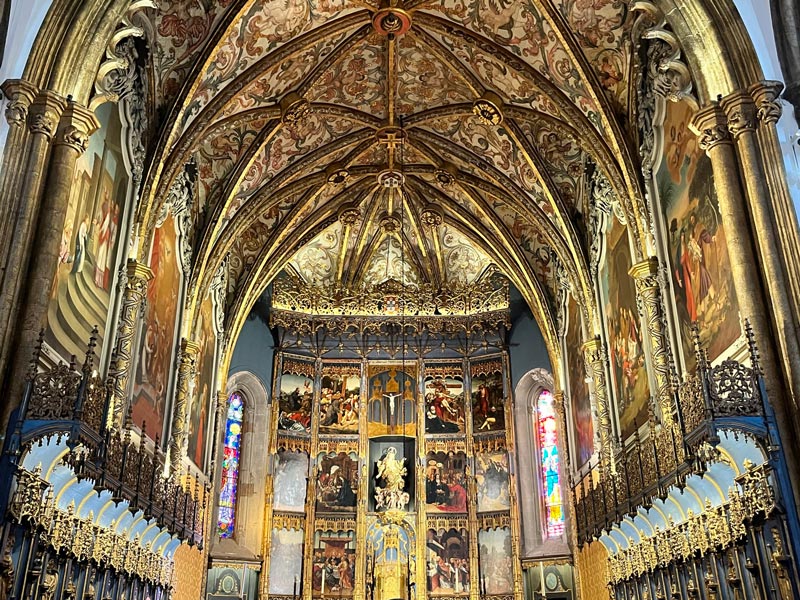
x=76 y=125
x=21 y=95
x=44 y=113
x=741 y=112
x=765 y=94
x=646 y=272
x=711 y=127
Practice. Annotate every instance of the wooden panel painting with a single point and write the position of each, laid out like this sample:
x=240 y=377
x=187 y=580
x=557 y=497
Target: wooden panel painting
x=286 y=561
x=202 y=399
x=580 y=402
x=289 y=482
x=447 y=557
x=295 y=396
x=492 y=480
x=157 y=338
x=392 y=392
x=698 y=252
x=444 y=401
x=445 y=482
x=494 y=551
x=488 y=413
x=81 y=293
x=626 y=345
x=334 y=562
x=337 y=482
x=339 y=398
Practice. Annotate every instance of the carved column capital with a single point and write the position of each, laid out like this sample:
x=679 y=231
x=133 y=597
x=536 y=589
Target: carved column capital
x=20 y=94
x=76 y=125
x=741 y=113
x=765 y=94
x=44 y=113
x=711 y=126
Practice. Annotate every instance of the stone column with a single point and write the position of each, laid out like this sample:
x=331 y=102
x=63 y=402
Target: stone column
x=595 y=355
x=138 y=277
x=711 y=125
x=648 y=289
x=187 y=358
x=72 y=136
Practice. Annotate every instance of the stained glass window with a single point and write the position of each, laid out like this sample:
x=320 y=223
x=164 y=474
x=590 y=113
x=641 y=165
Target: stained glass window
x=230 y=466
x=551 y=478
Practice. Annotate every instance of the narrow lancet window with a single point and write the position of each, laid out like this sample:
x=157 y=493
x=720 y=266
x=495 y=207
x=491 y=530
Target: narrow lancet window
x=230 y=466
x=550 y=464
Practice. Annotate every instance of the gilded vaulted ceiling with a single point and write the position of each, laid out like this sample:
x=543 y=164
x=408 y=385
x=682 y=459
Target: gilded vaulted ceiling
x=301 y=116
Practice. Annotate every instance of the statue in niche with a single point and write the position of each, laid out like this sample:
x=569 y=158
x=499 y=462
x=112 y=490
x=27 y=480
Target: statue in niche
x=779 y=561
x=50 y=582
x=391 y=473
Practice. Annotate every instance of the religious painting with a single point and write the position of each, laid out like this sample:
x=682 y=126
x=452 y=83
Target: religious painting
x=488 y=412
x=289 y=481
x=392 y=481
x=334 y=563
x=295 y=396
x=447 y=558
x=492 y=480
x=580 y=402
x=201 y=396
x=698 y=252
x=286 y=561
x=392 y=392
x=337 y=482
x=445 y=482
x=444 y=399
x=339 y=398
x=494 y=552
x=91 y=241
x=157 y=337
x=625 y=341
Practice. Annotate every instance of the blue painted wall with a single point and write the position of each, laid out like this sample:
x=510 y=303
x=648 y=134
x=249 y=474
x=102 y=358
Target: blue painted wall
x=255 y=347
x=527 y=349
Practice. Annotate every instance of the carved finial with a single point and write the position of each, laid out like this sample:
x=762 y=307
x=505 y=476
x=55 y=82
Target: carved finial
x=698 y=347
x=752 y=347
x=37 y=352
x=88 y=362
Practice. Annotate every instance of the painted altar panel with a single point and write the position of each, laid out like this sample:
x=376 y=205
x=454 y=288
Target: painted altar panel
x=444 y=399
x=291 y=472
x=447 y=561
x=495 y=552
x=157 y=338
x=333 y=563
x=698 y=253
x=337 y=482
x=492 y=481
x=488 y=412
x=339 y=398
x=286 y=561
x=81 y=293
x=445 y=482
x=392 y=399
x=625 y=342
x=580 y=402
x=296 y=395
x=202 y=398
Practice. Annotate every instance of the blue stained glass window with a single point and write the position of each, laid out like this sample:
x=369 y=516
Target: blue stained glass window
x=230 y=466
x=550 y=464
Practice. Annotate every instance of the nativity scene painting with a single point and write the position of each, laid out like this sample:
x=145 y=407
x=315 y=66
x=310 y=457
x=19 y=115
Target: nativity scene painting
x=337 y=482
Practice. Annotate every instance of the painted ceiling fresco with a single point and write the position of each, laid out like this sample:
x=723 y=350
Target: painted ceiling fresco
x=301 y=114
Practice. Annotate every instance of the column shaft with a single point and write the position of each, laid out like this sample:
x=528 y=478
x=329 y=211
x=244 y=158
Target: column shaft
x=187 y=359
x=594 y=351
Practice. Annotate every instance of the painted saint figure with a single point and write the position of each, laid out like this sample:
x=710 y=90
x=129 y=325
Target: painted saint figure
x=391 y=473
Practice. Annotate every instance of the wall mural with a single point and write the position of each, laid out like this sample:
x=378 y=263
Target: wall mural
x=334 y=563
x=487 y=397
x=626 y=345
x=82 y=287
x=445 y=482
x=444 y=404
x=698 y=252
x=339 y=398
x=291 y=472
x=580 y=402
x=391 y=404
x=447 y=557
x=337 y=482
x=157 y=338
x=286 y=561
x=296 y=395
x=491 y=478
x=494 y=550
x=203 y=392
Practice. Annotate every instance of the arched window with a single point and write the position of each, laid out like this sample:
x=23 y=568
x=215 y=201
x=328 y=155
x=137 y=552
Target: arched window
x=550 y=464
x=230 y=465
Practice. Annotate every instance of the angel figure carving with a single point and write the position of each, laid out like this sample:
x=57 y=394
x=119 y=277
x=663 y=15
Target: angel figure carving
x=391 y=473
